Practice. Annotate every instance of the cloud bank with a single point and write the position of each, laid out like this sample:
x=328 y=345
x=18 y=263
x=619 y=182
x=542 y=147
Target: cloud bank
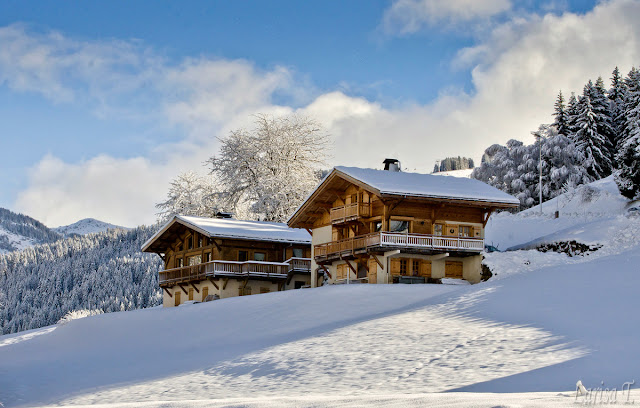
x=517 y=70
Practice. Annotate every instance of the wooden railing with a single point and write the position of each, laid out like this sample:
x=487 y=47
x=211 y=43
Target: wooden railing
x=350 y=212
x=397 y=239
x=233 y=268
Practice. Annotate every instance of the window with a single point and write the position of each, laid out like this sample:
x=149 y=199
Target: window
x=190 y=242
x=378 y=226
x=207 y=257
x=354 y=198
x=298 y=284
x=190 y=293
x=179 y=262
x=246 y=291
x=297 y=253
x=403 y=267
x=415 y=267
x=179 y=248
x=243 y=256
x=200 y=242
x=464 y=231
x=264 y=290
x=195 y=260
x=259 y=256
x=437 y=229
x=205 y=293
x=398 y=226
x=176 y=295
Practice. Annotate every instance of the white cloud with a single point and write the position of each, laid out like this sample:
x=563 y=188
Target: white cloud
x=517 y=71
x=409 y=16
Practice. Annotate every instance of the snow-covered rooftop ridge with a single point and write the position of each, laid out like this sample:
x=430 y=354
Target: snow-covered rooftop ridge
x=257 y=230
x=428 y=185
x=238 y=229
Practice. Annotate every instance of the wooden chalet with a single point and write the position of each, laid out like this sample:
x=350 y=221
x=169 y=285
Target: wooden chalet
x=387 y=226
x=211 y=258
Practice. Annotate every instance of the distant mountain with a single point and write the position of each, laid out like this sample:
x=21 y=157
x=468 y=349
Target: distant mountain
x=19 y=231
x=86 y=226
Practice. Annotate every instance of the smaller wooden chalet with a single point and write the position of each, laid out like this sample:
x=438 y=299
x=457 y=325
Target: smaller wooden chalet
x=211 y=258
x=388 y=226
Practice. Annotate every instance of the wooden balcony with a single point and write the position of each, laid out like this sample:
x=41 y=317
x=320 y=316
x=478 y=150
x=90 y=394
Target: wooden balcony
x=256 y=269
x=349 y=212
x=396 y=240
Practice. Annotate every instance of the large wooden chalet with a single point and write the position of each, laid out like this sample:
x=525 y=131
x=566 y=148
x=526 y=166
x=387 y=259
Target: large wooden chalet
x=210 y=258
x=387 y=226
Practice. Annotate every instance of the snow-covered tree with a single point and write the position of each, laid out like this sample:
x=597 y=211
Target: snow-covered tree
x=189 y=194
x=560 y=115
x=572 y=113
x=593 y=145
x=271 y=168
x=628 y=158
x=617 y=95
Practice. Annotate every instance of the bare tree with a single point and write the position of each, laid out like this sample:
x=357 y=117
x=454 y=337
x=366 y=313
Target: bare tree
x=270 y=169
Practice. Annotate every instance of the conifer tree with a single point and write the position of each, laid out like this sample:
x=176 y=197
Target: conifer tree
x=616 y=96
x=560 y=115
x=593 y=145
x=571 y=114
x=628 y=174
x=602 y=109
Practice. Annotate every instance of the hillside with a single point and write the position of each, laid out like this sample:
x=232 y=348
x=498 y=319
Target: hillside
x=103 y=271
x=85 y=226
x=19 y=231
x=543 y=322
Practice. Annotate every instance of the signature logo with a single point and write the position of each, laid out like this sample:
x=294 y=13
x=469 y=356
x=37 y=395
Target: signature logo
x=603 y=395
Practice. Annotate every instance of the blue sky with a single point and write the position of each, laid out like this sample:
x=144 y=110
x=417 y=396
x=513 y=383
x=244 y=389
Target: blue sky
x=93 y=88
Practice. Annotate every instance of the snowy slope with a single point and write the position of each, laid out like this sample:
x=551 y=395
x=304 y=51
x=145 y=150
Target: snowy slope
x=85 y=226
x=19 y=231
x=466 y=173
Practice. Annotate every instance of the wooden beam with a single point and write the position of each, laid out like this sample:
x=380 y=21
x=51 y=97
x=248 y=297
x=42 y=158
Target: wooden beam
x=168 y=293
x=213 y=282
x=244 y=283
x=326 y=271
x=351 y=267
x=216 y=244
x=183 y=289
x=375 y=257
x=194 y=286
x=289 y=277
x=226 y=280
x=486 y=218
x=309 y=231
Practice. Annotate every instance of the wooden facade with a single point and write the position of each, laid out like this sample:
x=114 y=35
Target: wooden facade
x=358 y=228
x=200 y=266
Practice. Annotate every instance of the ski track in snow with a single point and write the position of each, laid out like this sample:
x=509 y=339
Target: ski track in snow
x=432 y=349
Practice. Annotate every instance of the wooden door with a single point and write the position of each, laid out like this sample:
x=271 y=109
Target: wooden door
x=395 y=266
x=425 y=269
x=176 y=296
x=453 y=269
x=205 y=292
x=373 y=271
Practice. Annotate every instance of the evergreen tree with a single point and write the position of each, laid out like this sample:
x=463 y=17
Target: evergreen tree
x=560 y=115
x=628 y=174
x=616 y=97
x=572 y=112
x=588 y=140
x=602 y=109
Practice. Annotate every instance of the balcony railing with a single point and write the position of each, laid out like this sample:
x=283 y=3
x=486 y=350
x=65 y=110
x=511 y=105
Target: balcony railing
x=271 y=270
x=397 y=240
x=350 y=212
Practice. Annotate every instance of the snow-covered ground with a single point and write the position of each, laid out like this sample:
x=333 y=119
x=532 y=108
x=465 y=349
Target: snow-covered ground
x=84 y=227
x=16 y=241
x=523 y=338
x=466 y=173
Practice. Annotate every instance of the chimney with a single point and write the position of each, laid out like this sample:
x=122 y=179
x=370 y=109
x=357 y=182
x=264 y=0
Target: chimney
x=392 y=165
x=222 y=214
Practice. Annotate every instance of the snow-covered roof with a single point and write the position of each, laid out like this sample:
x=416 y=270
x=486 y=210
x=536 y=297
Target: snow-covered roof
x=236 y=229
x=428 y=185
